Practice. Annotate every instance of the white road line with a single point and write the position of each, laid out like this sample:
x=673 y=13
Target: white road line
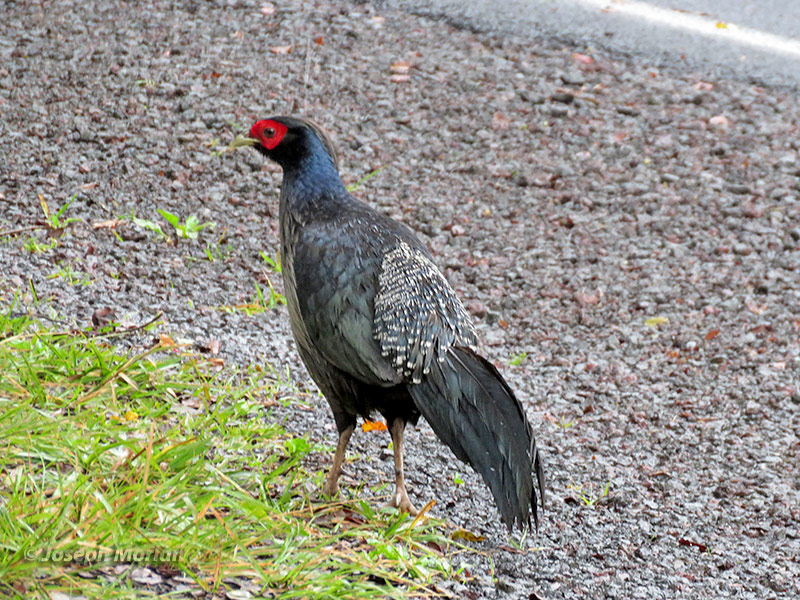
x=704 y=26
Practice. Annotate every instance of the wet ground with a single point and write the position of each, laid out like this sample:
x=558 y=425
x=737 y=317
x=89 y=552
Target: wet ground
x=627 y=238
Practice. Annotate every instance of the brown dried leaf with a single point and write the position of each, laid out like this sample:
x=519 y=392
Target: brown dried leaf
x=110 y=224
x=700 y=547
x=582 y=58
x=719 y=121
x=500 y=121
x=400 y=67
x=102 y=317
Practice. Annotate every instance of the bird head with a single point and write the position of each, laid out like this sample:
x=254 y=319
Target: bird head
x=287 y=140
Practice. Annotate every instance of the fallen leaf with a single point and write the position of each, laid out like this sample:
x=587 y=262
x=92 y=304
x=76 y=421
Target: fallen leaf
x=712 y=334
x=45 y=208
x=165 y=341
x=145 y=576
x=374 y=426
x=130 y=416
x=318 y=40
x=110 y=224
x=619 y=137
x=500 y=121
x=463 y=534
x=192 y=402
x=400 y=67
x=719 y=121
x=281 y=49
x=700 y=547
x=721 y=25
x=102 y=317
x=656 y=321
x=587 y=298
x=582 y=58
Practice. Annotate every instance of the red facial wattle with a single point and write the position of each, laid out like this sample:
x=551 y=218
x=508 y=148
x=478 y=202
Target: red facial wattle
x=268 y=132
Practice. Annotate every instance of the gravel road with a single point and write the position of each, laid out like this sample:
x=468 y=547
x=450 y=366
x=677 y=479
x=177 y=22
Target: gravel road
x=629 y=234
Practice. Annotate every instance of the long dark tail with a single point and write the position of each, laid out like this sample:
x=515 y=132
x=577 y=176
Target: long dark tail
x=472 y=410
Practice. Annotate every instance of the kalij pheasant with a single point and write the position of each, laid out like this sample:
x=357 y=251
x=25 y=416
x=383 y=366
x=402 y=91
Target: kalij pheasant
x=380 y=329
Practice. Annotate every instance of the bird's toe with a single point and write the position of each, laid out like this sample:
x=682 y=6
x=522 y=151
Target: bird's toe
x=330 y=489
x=403 y=503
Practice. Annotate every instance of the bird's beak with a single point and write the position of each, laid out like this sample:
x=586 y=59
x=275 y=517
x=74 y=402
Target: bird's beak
x=240 y=141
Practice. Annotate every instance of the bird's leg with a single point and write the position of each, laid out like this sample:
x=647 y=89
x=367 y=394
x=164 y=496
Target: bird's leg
x=400 y=499
x=331 y=487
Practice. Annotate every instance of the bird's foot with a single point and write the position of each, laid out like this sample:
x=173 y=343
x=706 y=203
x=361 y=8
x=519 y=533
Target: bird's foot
x=330 y=488
x=401 y=502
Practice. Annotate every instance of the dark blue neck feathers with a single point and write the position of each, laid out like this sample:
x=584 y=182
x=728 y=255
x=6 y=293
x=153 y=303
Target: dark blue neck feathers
x=311 y=182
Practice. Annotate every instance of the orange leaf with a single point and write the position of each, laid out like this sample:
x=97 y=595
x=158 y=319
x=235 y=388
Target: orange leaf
x=712 y=334
x=166 y=341
x=374 y=426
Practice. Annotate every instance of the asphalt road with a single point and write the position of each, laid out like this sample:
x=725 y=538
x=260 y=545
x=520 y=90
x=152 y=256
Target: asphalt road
x=757 y=42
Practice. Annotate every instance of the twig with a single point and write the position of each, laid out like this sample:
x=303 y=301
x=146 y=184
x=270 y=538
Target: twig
x=76 y=332
x=22 y=230
x=130 y=329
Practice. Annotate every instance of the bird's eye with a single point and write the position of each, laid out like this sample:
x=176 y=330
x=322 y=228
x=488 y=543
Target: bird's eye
x=269 y=132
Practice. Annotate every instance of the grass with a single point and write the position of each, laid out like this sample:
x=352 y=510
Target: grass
x=113 y=461
x=518 y=359
x=358 y=184
x=259 y=303
x=587 y=496
x=188 y=229
x=70 y=276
